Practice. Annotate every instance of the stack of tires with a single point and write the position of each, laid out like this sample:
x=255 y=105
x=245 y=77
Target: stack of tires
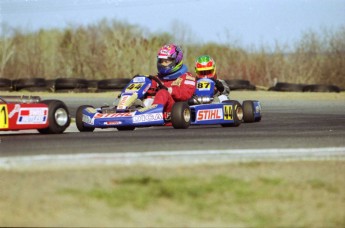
x=5 y=84
x=112 y=84
x=71 y=85
x=239 y=84
x=30 y=84
x=292 y=87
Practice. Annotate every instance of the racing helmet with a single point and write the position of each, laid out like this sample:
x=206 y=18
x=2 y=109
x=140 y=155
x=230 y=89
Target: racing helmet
x=205 y=67
x=169 y=59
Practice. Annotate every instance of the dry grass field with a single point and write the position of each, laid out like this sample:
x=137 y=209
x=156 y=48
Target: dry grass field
x=253 y=194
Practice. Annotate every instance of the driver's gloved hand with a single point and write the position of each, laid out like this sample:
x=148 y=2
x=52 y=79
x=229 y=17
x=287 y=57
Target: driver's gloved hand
x=219 y=85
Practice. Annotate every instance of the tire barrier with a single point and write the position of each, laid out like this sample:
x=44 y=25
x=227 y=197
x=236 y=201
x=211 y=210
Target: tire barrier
x=112 y=84
x=5 y=84
x=239 y=84
x=30 y=84
x=106 y=85
x=71 y=85
x=291 y=87
x=287 y=87
x=321 y=88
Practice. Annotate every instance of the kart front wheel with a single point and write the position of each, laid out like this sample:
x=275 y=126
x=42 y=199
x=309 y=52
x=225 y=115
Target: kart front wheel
x=248 y=111
x=181 y=115
x=79 y=119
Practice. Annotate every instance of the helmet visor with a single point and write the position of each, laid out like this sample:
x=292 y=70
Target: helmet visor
x=165 y=62
x=205 y=72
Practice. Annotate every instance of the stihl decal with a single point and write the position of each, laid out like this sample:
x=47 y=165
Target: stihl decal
x=112 y=115
x=211 y=114
x=123 y=102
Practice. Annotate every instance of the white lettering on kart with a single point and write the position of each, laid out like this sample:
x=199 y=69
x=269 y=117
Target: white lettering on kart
x=210 y=114
x=147 y=117
x=112 y=115
x=32 y=116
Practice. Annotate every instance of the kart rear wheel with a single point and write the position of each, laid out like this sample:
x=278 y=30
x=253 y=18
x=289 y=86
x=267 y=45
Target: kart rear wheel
x=181 y=115
x=125 y=128
x=79 y=119
x=237 y=113
x=58 y=117
x=248 y=111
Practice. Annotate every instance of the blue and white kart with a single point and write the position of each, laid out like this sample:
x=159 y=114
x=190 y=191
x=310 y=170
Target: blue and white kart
x=133 y=109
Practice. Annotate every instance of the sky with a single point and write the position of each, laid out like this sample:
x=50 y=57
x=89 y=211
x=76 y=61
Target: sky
x=245 y=22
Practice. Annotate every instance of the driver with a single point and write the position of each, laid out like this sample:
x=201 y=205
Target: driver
x=180 y=84
x=205 y=67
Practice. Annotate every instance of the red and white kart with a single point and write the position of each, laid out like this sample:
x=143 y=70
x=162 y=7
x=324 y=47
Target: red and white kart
x=29 y=112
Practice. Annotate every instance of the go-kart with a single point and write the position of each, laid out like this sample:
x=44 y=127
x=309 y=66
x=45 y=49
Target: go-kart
x=29 y=112
x=132 y=110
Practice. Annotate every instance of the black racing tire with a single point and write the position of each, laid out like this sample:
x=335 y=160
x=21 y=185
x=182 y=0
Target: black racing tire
x=92 y=85
x=125 y=128
x=248 y=111
x=111 y=84
x=58 y=117
x=51 y=84
x=181 y=115
x=70 y=83
x=5 y=84
x=321 y=88
x=239 y=84
x=79 y=119
x=26 y=83
x=237 y=113
x=287 y=87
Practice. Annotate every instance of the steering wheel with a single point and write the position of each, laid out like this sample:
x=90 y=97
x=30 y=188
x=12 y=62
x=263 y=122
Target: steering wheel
x=160 y=84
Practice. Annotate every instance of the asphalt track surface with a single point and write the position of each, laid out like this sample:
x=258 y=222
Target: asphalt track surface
x=289 y=126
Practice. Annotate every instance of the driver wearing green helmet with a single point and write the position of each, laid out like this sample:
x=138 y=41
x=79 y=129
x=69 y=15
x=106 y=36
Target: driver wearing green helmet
x=205 y=67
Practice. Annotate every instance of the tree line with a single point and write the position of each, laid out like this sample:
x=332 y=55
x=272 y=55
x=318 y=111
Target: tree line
x=115 y=49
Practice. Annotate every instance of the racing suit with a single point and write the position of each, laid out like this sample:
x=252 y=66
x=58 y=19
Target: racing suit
x=181 y=88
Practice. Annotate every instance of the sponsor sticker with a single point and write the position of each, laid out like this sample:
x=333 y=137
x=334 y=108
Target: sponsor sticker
x=134 y=87
x=210 y=114
x=147 y=117
x=227 y=112
x=188 y=82
x=139 y=79
x=177 y=82
x=204 y=85
x=112 y=123
x=3 y=116
x=112 y=115
x=32 y=116
x=190 y=78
